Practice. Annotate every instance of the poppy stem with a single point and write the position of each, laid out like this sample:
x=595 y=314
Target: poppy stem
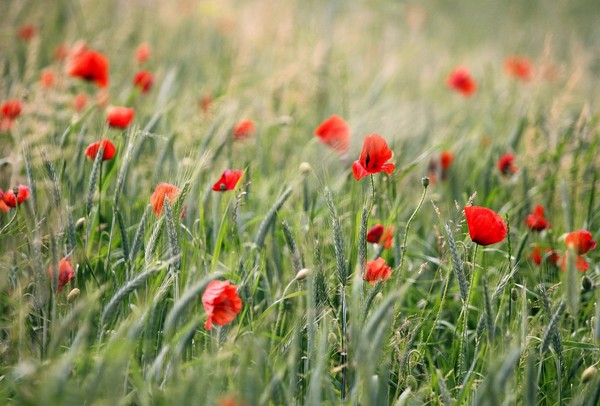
x=408 y=223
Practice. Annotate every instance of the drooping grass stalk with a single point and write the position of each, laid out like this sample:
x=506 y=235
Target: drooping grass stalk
x=264 y=226
x=425 y=183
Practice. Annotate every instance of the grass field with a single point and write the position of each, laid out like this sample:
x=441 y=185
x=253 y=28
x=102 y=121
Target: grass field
x=229 y=243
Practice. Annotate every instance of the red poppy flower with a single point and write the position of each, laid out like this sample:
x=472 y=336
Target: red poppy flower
x=13 y=199
x=460 y=80
x=373 y=157
x=3 y=205
x=65 y=273
x=228 y=180
x=376 y=270
x=537 y=256
x=142 y=53
x=91 y=66
x=47 y=78
x=27 y=32
x=506 y=164
x=335 y=133
x=485 y=226
x=221 y=303
x=446 y=158
x=109 y=150
x=536 y=221
x=520 y=68
x=11 y=109
x=380 y=235
x=580 y=262
x=80 y=101
x=143 y=80
x=119 y=117
x=581 y=241
x=157 y=200
x=244 y=129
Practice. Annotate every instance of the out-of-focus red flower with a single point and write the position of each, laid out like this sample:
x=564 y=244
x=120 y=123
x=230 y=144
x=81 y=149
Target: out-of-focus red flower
x=485 y=226
x=580 y=262
x=506 y=164
x=460 y=80
x=15 y=197
x=446 y=158
x=221 y=303
x=47 y=78
x=61 y=52
x=206 y=103
x=376 y=270
x=228 y=180
x=27 y=32
x=143 y=80
x=373 y=158
x=157 y=200
x=65 y=273
x=581 y=241
x=536 y=220
x=381 y=235
x=335 y=133
x=519 y=67
x=3 y=206
x=11 y=109
x=91 y=66
x=432 y=171
x=537 y=255
x=79 y=102
x=119 y=117
x=244 y=129
x=109 y=150
x=142 y=53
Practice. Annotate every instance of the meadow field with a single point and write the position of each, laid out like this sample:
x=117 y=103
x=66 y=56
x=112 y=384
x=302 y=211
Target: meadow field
x=262 y=202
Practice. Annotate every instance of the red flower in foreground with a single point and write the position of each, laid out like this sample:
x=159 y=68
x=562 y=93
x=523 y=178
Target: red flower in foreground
x=380 y=235
x=142 y=53
x=506 y=164
x=109 y=150
x=65 y=273
x=485 y=226
x=537 y=256
x=335 y=133
x=581 y=241
x=143 y=80
x=91 y=66
x=119 y=117
x=27 y=32
x=244 y=129
x=221 y=303
x=460 y=80
x=536 y=221
x=157 y=200
x=228 y=180
x=373 y=158
x=376 y=270
x=13 y=199
x=520 y=68
x=11 y=109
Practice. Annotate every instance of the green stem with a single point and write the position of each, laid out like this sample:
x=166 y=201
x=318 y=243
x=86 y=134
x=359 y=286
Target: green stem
x=408 y=223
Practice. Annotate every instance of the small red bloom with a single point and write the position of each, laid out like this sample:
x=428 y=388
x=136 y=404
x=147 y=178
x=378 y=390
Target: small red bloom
x=12 y=198
x=460 y=80
x=244 y=129
x=91 y=66
x=506 y=164
x=446 y=158
x=581 y=241
x=373 y=158
x=3 y=205
x=335 y=133
x=485 y=226
x=109 y=150
x=65 y=273
x=580 y=262
x=536 y=221
x=80 y=101
x=11 y=109
x=157 y=200
x=221 y=303
x=143 y=80
x=376 y=270
x=142 y=53
x=27 y=32
x=380 y=235
x=537 y=256
x=520 y=68
x=47 y=78
x=228 y=180
x=119 y=117
x=206 y=103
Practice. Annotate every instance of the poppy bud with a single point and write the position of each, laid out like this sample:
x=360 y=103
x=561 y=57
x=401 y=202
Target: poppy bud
x=302 y=274
x=589 y=374
x=425 y=181
x=305 y=168
x=514 y=294
x=73 y=294
x=587 y=284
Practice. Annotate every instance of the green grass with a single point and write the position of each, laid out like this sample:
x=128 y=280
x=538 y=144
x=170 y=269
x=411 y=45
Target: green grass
x=455 y=323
